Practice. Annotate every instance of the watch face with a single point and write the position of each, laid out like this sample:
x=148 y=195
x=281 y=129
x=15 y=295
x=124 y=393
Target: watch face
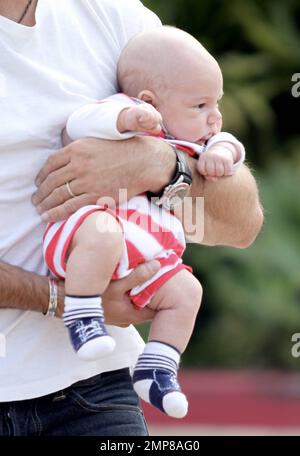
x=175 y=195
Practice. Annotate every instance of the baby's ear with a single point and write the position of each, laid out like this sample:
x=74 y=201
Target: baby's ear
x=148 y=97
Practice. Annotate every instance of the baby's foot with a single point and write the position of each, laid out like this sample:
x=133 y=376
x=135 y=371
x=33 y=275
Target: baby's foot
x=155 y=379
x=160 y=388
x=84 y=319
x=90 y=339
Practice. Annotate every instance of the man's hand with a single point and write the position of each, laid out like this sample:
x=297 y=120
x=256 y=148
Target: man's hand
x=95 y=167
x=141 y=118
x=118 y=309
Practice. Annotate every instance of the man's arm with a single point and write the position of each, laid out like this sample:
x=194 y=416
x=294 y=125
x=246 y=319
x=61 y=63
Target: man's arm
x=20 y=289
x=233 y=214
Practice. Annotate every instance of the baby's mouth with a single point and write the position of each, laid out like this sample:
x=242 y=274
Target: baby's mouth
x=205 y=138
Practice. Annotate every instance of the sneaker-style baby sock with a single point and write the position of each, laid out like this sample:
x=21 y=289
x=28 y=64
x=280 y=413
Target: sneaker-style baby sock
x=84 y=319
x=155 y=379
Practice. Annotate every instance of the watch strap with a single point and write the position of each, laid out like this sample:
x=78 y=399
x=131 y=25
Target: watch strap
x=182 y=169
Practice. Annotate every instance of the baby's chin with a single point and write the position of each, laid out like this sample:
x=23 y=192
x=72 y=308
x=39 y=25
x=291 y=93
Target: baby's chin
x=200 y=142
x=203 y=140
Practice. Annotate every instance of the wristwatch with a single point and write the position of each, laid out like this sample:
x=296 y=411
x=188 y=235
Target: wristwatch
x=178 y=187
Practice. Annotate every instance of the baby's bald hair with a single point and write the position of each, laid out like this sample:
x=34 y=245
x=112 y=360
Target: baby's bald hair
x=149 y=58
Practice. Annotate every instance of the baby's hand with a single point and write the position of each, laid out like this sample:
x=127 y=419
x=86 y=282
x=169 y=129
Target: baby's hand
x=216 y=162
x=141 y=118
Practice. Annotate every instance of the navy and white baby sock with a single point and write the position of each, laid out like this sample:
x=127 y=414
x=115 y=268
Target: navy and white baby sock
x=155 y=379
x=83 y=316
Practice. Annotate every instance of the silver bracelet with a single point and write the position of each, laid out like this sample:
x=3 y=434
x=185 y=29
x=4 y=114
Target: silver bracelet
x=53 y=297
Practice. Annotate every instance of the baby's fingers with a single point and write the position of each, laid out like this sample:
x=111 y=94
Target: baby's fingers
x=220 y=169
x=210 y=168
x=148 y=121
x=201 y=166
x=156 y=129
x=228 y=168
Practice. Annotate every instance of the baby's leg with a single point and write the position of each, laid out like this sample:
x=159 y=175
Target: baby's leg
x=92 y=257
x=155 y=375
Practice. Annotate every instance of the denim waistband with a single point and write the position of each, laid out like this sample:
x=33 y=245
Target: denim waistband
x=61 y=394
x=98 y=377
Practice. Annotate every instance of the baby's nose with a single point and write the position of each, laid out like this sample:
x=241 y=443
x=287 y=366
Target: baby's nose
x=215 y=117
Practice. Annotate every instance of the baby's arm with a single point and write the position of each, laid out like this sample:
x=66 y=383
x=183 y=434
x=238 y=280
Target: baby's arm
x=223 y=155
x=115 y=118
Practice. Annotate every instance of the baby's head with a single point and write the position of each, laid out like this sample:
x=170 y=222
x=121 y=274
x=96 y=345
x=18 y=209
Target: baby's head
x=170 y=69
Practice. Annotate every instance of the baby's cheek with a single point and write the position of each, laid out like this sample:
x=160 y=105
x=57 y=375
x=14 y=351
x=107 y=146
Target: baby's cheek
x=177 y=129
x=219 y=124
x=191 y=130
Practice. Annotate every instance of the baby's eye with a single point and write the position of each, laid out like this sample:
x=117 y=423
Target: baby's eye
x=200 y=106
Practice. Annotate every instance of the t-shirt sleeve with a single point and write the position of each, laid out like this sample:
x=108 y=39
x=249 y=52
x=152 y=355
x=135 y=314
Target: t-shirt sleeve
x=126 y=17
x=139 y=18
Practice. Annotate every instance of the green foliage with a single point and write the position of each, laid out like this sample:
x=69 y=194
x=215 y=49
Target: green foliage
x=252 y=297
x=251 y=303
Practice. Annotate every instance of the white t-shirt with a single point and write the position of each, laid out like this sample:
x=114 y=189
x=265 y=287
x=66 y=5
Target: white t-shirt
x=46 y=72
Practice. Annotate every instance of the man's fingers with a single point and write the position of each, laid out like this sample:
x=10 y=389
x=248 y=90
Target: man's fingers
x=58 y=160
x=142 y=315
x=68 y=207
x=55 y=180
x=56 y=198
x=139 y=275
x=131 y=317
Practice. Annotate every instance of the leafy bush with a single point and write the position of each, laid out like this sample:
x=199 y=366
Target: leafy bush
x=251 y=302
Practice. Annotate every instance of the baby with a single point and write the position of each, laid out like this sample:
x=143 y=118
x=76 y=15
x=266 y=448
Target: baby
x=172 y=86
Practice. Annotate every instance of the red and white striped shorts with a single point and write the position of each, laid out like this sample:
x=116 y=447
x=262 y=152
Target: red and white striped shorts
x=141 y=244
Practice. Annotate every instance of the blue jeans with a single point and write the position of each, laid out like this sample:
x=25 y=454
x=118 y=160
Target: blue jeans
x=104 y=405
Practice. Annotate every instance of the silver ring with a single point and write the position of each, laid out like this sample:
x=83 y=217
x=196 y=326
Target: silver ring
x=69 y=190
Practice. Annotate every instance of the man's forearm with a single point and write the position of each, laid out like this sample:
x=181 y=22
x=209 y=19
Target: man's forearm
x=24 y=290
x=233 y=215
x=232 y=212
x=20 y=289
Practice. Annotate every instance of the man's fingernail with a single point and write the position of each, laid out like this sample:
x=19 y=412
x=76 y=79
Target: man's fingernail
x=34 y=200
x=39 y=209
x=37 y=182
x=45 y=217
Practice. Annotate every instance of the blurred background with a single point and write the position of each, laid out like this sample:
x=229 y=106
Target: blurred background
x=240 y=371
